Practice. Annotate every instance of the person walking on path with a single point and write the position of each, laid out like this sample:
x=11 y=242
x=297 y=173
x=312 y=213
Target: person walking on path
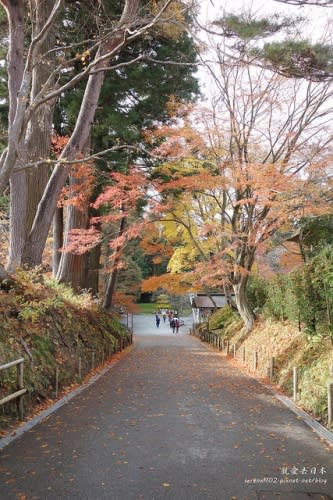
x=176 y=323
x=173 y=324
x=158 y=320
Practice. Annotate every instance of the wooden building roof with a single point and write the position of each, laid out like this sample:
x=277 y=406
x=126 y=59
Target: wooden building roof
x=204 y=301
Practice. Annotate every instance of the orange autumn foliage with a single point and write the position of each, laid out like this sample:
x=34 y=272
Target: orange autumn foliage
x=127 y=302
x=175 y=284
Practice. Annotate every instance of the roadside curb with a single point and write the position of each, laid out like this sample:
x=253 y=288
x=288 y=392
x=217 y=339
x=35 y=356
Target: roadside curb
x=313 y=424
x=319 y=429
x=15 y=434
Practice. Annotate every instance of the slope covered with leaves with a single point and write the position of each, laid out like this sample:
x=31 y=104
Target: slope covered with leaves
x=61 y=336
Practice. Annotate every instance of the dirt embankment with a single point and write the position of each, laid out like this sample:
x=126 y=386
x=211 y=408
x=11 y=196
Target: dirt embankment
x=61 y=336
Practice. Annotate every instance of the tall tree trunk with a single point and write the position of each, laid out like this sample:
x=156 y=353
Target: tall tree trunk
x=242 y=303
x=36 y=241
x=112 y=279
x=15 y=68
x=14 y=155
x=15 y=58
x=35 y=244
x=93 y=267
x=73 y=267
x=27 y=186
x=58 y=238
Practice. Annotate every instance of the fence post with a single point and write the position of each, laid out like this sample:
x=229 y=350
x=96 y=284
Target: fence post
x=271 y=368
x=330 y=403
x=57 y=382
x=255 y=360
x=295 y=383
x=20 y=385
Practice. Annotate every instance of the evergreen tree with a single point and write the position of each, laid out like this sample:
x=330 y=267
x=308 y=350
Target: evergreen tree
x=289 y=54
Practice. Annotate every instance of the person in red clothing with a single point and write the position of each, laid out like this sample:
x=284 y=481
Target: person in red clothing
x=176 y=324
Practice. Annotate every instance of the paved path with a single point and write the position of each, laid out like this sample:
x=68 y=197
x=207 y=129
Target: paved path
x=172 y=420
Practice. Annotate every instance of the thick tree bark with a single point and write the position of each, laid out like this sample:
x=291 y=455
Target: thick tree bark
x=245 y=259
x=72 y=267
x=20 y=89
x=242 y=303
x=15 y=66
x=35 y=243
x=33 y=251
x=27 y=186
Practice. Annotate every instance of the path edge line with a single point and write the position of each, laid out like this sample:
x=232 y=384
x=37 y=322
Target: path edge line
x=319 y=429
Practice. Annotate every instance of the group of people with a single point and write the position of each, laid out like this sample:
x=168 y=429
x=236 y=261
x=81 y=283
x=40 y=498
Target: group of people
x=172 y=316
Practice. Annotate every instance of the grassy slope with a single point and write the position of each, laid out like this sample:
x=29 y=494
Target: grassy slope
x=52 y=328
x=147 y=308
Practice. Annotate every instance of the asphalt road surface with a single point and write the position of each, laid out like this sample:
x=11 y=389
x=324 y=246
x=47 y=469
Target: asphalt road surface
x=172 y=420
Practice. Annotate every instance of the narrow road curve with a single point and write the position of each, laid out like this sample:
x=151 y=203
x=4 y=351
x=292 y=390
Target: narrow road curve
x=172 y=420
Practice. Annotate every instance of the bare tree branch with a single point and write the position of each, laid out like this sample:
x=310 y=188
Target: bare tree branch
x=319 y=3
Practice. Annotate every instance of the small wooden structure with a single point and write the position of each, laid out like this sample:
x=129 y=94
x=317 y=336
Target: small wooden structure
x=204 y=304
